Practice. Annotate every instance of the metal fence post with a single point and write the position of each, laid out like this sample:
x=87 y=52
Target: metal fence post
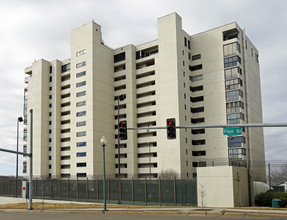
x=97 y=185
x=59 y=185
x=87 y=189
x=133 y=189
x=269 y=176
x=174 y=190
x=77 y=184
x=145 y=191
x=109 y=190
x=10 y=186
x=67 y=189
x=51 y=188
x=42 y=188
x=159 y=191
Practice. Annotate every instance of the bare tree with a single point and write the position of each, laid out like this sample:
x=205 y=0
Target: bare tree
x=167 y=174
x=279 y=175
x=202 y=196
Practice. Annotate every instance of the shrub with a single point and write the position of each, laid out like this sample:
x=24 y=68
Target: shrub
x=265 y=199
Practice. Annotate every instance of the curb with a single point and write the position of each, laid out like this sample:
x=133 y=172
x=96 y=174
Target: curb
x=214 y=213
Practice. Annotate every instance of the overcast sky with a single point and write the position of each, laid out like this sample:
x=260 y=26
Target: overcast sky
x=33 y=29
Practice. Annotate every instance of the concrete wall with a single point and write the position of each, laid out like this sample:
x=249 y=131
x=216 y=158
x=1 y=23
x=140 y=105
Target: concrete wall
x=224 y=186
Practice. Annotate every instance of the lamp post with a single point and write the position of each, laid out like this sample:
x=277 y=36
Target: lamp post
x=104 y=142
x=120 y=98
x=20 y=119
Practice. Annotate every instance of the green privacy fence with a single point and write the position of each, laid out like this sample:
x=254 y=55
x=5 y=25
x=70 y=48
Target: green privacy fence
x=175 y=192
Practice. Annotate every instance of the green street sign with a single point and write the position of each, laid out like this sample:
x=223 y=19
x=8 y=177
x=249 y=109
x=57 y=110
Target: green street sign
x=232 y=131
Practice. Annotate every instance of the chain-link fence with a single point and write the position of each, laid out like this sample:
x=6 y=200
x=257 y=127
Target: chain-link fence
x=176 y=192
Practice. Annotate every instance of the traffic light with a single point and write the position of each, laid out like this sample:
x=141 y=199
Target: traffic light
x=171 y=130
x=123 y=130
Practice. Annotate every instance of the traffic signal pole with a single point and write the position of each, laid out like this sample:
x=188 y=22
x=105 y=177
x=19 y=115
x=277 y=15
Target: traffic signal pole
x=30 y=204
x=218 y=126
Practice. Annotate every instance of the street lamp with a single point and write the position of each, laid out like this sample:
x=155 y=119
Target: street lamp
x=120 y=98
x=20 y=119
x=103 y=143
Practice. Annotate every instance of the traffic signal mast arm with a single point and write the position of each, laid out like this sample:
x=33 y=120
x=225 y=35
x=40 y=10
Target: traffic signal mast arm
x=217 y=126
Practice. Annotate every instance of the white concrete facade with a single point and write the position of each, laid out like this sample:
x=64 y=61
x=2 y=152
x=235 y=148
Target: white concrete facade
x=207 y=78
x=223 y=186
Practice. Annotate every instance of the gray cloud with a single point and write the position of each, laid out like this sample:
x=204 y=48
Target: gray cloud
x=35 y=29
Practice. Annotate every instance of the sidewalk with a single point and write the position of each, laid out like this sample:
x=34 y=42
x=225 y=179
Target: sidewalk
x=118 y=209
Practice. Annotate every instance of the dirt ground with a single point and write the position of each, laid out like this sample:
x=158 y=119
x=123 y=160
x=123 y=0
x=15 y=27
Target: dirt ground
x=40 y=205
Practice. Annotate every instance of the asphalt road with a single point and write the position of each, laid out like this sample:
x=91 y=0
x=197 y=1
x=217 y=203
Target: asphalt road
x=76 y=216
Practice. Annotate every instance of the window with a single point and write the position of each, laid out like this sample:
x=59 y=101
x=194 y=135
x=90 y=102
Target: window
x=257 y=57
x=65 y=113
x=236 y=141
x=197 y=120
x=234 y=95
x=199 y=164
x=231 y=61
x=196 y=78
x=235 y=118
x=119 y=57
x=230 y=34
x=81 y=164
x=81 y=175
x=65 y=68
x=78 y=65
x=196 y=67
x=82 y=103
x=119 y=67
x=231 y=49
x=81 y=154
x=197 y=99
x=79 y=94
x=198 y=131
x=81 y=144
x=81 y=123
x=196 y=88
x=198 y=142
x=233 y=107
x=121 y=87
x=79 y=114
x=185 y=41
x=79 y=84
x=197 y=110
x=188 y=44
x=116 y=79
x=65 y=78
x=81 y=134
x=233 y=84
x=199 y=153
x=80 y=74
x=146 y=52
x=236 y=153
x=196 y=57
x=232 y=73
x=82 y=52
x=51 y=69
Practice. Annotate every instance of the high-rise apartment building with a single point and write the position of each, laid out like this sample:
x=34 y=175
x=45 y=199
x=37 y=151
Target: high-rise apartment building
x=203 y=79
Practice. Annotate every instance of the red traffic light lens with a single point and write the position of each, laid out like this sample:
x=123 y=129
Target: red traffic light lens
x=170 y=123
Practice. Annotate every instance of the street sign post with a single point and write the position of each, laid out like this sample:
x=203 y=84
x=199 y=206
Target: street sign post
x=232 y=131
